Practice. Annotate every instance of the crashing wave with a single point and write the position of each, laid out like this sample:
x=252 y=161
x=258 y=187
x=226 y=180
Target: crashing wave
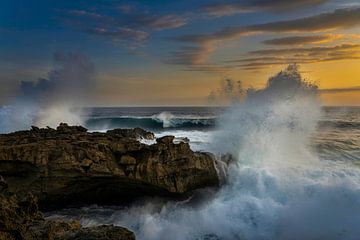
x=155 y=122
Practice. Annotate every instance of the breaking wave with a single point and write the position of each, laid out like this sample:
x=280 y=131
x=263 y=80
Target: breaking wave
x=154 y=122
x=277 y=187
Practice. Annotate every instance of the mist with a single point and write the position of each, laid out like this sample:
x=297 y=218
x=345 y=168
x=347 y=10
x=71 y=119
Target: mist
x=276 y=187
x=58 y=98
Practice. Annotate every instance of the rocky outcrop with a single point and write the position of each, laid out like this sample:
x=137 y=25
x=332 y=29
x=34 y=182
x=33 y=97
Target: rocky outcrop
x=21 y=220
x=104 y=232
x=70 y=165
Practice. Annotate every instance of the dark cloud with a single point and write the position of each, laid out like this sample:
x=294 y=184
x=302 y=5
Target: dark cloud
x=340 y=90
x=227 y=8
x=310 y=51
x=207 y=43
x=340 y=18
x=162 y=22
x=128 y=37
x=269 y=57
x=71 y=79
x=124 y=26
x=47 y=102
x=299 y=40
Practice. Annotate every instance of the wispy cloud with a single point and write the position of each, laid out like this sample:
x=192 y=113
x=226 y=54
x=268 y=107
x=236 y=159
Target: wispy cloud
x=300 y=40
x=162 y=22
x=205 y=44
x=310 y=51
x=228 y=8
x=126 y=36
x=124 y=26
x=270 y=57
x=340 y=90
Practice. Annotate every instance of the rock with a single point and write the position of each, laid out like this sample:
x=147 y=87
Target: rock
x=182 y=139
x=165 y=139
x=127 y=160
x=22 y=220
x=136 y=133
x=35 y=129
x=3 y=184
x=70 y=166
x=104 y=232
x=64 y=128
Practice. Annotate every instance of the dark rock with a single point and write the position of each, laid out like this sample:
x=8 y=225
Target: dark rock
x=127 y=160
x=35 y=129
x=104 y=232
x=135 y=133
x=20 y=219
x=181 y=139
x=3 y=184
x=69 y=165
x=165 y=140
x=64 y=128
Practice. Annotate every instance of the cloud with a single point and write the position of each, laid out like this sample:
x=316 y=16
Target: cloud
x=309 y=51
x=161 y=22
x=300 y=40
x=83 y=13
x=126 y=36
x=269 y=57
x=125 y=26
x=191 y=55
x=47 y=102
x=231 y=8
x=71 y=80
x=207 y=43
x=340 y=90
x=221 y=10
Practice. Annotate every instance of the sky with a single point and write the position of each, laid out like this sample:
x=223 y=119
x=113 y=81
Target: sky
x=174 y=53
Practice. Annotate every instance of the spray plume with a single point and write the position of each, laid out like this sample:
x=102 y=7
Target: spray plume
x=277 y=188
x=56 y=99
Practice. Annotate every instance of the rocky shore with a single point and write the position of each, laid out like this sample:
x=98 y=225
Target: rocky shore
x=71 y=166
x=21 y=219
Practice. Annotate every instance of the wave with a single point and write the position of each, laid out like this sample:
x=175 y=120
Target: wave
x=278 y=188
x=154 y=122
x=339 y=124
x=184 y=122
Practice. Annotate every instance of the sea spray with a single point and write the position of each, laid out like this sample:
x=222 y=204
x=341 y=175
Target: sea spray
x=58 y=98
x=277 y=188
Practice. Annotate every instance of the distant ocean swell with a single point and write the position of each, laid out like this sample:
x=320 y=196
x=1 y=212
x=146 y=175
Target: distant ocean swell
x=151 y=122
x=185 y=122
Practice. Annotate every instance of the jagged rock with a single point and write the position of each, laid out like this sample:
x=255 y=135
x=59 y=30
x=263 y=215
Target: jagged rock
x=64 y=128
x=21 y=220
x=3 y=184
x=70 y=165
x=127 y=160
x=165 y=139
x=104 y=232
x=136 y=133
x=181 y=139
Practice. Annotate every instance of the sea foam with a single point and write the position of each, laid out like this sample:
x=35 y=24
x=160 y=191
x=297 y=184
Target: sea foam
x=276 y=189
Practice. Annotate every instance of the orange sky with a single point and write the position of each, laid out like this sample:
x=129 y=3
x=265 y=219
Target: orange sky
x=176 y=53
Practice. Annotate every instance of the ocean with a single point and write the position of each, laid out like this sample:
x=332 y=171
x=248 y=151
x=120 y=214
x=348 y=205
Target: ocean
x=297 y=176
x=337 y=136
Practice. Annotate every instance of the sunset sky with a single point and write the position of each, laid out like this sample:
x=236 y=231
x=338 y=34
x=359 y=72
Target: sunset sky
x=176 y=52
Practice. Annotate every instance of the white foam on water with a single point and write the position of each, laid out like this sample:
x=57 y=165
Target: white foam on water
x=277 y=188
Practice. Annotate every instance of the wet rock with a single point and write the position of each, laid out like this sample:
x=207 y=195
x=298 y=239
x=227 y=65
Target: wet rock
x=70 y=165
x=165 y=139
x=127 y=160
x=64 y=128
x=20 y=219
x=135 y=133
x=104 y=232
